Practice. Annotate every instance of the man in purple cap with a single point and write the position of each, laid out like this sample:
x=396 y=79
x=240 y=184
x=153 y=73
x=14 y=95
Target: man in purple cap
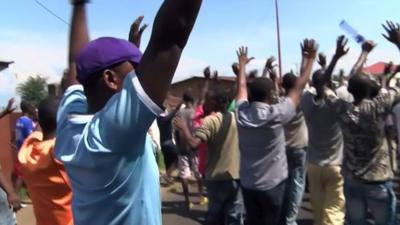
x=105 y=114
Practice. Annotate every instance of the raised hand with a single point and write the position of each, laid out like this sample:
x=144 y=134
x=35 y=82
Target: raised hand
x=207 y=72
x=388 y=68
x=393 y=32
x=309 y=49
x=215 y=75
x=322 y=60
x=235 y=68
x=135 y=34
x=368 y=46
x=269 y=67
x=270 y=63
x=242 y=56
x=241 y=77
x=341 y=48
x=10 y=106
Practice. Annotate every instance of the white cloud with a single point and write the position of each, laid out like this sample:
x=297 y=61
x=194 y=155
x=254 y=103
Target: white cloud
x=188 y=67
x=34 y=54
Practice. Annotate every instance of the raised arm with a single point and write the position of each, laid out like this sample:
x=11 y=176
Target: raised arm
x=241 y=82
x=322 y=60
x=136 y=31
x=341 y=50
x=9 y=109
x=273 y=75
x=269 y=64
x=78 y=38
x=172 y=27
x=309 y=49
x=393 y=33
x=204 y=90
x=235 y=68
x=367 y=47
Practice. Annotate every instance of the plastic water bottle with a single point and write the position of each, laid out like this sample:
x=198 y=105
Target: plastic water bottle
x=353 y=32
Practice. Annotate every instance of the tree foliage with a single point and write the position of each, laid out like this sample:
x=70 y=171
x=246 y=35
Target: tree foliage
x=33 y=90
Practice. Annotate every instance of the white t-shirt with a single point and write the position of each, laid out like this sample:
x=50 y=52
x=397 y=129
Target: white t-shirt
x=344 y=94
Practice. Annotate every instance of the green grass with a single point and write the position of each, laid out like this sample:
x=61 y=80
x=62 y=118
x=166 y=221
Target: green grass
x=24 y=195
x=160 y=161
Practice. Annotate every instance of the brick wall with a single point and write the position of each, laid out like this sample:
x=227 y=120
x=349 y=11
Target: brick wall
x=7 y=136
x=195 y=85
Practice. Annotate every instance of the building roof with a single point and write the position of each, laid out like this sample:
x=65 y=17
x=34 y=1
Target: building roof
x=220 y=78
x=375 y=69
x=5 y=64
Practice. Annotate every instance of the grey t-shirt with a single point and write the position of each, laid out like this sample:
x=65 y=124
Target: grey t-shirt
x=263 y=163
x=187 y=115
x=325 y=144
x=296 y=131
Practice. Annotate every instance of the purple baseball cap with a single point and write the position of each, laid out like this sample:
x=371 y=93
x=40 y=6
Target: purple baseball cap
x=102 y=53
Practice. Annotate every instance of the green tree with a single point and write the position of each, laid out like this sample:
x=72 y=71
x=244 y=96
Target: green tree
x=33 y=90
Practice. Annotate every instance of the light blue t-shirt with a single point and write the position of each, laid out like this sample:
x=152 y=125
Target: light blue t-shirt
x=109 y=158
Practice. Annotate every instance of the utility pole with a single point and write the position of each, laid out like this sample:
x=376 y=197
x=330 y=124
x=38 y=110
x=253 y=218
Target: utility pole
x=278 y=37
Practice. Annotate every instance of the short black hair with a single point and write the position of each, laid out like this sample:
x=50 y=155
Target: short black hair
x=289 y=81
x=374 y=88
x=318 y=78
x=187 y=97
x=220 y=96
x=260 y=88
x=48 y=114
x=360 y=86
x=27 y=107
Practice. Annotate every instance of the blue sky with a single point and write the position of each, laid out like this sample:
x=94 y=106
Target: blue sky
x=37 y=41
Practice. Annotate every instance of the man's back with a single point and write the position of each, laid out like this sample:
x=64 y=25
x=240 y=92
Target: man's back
x=325 y=136
x=109 y=158
x=296 y=131
x=220 y=133
x=367 y=155
x=262 y=142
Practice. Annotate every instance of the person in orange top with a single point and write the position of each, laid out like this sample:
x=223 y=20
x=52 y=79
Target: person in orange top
x=45 y=177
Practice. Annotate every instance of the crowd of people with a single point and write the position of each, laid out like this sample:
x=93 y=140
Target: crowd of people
x=88 y=157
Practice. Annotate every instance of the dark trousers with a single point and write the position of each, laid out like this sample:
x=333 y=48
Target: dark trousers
x=170 y=156
x=264 y=207
x=226 y=203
